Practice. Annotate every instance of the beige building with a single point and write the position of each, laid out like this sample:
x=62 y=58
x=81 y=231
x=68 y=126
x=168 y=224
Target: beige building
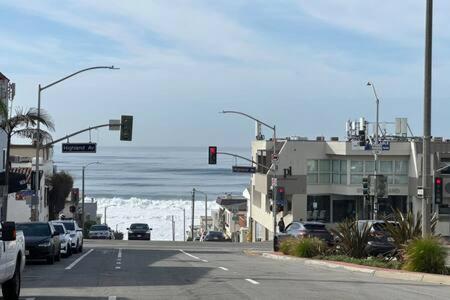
x=322 y=180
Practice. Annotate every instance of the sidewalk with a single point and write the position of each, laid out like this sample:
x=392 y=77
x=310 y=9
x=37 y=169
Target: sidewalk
x=376 y=272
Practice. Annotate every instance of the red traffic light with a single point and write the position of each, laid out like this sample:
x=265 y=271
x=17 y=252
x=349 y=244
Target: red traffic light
x=438 y=181
x=212 y=157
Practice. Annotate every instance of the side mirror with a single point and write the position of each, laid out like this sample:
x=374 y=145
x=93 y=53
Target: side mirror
x=8 y=231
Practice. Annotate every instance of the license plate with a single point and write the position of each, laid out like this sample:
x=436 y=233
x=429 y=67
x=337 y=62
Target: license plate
x=27 y=252
x=139 y=235
x=216 y=238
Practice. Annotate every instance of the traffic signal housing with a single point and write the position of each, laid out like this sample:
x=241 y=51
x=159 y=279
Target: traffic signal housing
x=362 y=138
x=126 y=128
x=212 y=155
x=438 y=182
x=366 y=186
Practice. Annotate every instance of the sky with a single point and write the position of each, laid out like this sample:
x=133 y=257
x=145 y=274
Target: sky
x=301 y=65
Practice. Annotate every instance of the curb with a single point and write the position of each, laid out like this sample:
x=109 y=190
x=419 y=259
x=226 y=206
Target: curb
x=376 y=272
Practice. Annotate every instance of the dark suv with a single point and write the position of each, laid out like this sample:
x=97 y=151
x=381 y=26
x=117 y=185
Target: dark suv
x=380 y=242
x=139 y=231
x=41 y=241
x=304 y=229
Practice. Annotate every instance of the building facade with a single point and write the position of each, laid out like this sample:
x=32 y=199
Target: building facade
x=322 y=181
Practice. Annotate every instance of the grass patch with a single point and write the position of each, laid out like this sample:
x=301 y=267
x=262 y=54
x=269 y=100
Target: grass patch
x=371 y=261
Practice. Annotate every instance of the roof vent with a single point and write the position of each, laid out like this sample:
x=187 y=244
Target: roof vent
x=334 y=139
x=320 y=138
x=437 y=139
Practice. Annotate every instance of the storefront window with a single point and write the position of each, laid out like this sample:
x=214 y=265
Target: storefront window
x=318 y=208
x=343 y=209
x=386 y=167
x=356 y=166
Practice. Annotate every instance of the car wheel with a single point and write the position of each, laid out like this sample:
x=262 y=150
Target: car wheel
x=11 y=288
x=69 y=250
x=51 y=259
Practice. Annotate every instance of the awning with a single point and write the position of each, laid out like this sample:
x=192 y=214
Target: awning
x=19 y=179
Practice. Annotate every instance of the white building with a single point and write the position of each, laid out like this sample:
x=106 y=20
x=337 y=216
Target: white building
x=23 y=162
x=322 y=180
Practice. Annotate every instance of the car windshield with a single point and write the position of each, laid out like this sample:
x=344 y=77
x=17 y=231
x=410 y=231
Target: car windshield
x=34 y=229
x=99 y=228
x=59 y=228
x=139 y=226
x=215 y=234
x=69 y=225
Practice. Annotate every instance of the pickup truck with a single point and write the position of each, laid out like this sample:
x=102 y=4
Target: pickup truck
x=12 y=260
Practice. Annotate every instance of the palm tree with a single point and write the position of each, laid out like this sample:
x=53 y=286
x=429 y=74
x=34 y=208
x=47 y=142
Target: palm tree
x=21 y=124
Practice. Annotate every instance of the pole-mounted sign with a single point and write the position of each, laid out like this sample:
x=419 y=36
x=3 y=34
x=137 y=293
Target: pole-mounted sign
x=243 y=169
x=79 y=147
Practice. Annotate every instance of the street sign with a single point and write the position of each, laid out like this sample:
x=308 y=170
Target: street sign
x=274 y=157
x=79 y=148
x=243 y=169
x=420 y=191
x=274 y=181
x=114 y=124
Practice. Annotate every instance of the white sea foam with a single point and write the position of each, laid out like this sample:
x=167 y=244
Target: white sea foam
x=156 y=213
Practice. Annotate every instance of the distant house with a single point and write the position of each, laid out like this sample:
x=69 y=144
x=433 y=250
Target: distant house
x=232 y=215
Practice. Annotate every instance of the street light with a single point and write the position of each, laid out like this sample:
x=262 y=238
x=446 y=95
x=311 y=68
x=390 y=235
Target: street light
x=375 y=153
x=273 y=167
x=105 y=212
x=184 y=223
x=82 y=190
x=38 y=140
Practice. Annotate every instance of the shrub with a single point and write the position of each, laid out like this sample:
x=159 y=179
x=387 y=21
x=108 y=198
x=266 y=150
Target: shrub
x=372 y=262
x=118 y=235
x=406 y=227
x=352 y=240
x=425 y=255
x=287 y=246
x=308 y=247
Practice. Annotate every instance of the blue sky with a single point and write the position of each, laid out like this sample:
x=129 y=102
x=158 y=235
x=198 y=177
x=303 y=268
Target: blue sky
x=299 y=64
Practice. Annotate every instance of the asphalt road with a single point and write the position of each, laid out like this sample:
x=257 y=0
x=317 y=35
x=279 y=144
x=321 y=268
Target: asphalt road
x=122 y=270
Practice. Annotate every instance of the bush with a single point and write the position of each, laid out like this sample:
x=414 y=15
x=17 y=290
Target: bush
x=118 y=235
x=406 y=227
x=352 y=240
x=308 y=247
x=426 y=255
x=287 y=246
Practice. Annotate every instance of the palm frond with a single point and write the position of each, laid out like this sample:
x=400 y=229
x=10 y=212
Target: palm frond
x=30 y=133
x=30 y=118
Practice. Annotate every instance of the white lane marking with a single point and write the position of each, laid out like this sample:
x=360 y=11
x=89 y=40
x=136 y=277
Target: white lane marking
x=112 y=297
x=79 y=259
x=223 y=268
x=119 y=255
x=30 y=299
x=252 y=281
x=188 y=254
x=204 y=260
x=117 y=268
x=118 y=262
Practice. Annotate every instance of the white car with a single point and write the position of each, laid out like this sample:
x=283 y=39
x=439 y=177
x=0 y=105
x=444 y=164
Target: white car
x=76 y=234
x=12 y=259
x=100 y=232
x=64 y=237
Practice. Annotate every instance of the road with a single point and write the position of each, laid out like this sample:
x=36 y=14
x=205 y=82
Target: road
x=123 y=270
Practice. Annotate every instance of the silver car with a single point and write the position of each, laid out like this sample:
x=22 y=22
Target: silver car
x=100 y=232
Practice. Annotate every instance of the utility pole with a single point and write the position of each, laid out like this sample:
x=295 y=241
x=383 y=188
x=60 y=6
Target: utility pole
x=173 y=230
x=184 y=224
x=427 y=120
x=375 y=154
x=192 y=220
x=206 y=213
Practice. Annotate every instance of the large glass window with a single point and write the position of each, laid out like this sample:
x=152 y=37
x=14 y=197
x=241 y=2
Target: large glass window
x=326 y=171
x=356 y=171
x=339 y=172
x=318 y=208
x=343 y=209
x=401 y=172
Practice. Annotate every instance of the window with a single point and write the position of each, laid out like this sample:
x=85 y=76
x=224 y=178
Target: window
x=401 y=172
x=318 y=208
x=339 y=172
x=356 y=171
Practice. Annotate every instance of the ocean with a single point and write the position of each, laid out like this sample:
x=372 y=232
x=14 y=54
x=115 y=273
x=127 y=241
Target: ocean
x=150 y=184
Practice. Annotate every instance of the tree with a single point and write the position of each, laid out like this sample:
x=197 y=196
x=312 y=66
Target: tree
x=21 y=124
x=61 y=186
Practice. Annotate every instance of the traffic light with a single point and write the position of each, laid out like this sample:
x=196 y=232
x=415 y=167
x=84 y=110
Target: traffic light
x=366 y=186
x=126 y=128
x=438 y=190
x=212 y=158
x=280 y=198
x=381 y=186
x=270 y=194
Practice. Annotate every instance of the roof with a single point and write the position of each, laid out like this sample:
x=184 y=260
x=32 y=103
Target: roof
x=230 y=202
x=3 y=77
x=23 y=170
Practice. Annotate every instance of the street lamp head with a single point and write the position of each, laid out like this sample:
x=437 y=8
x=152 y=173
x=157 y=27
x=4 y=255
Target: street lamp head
x=369 y=83
x=114 y=68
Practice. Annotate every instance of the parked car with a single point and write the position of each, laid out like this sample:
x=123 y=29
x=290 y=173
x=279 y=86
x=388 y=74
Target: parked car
x=41 y=241
x=139 y=231
x=64 y=236
x=304 y=229
x=76 y=234
x=216 y=236
x=12 y=260
x=100 y=232
x=380 y=242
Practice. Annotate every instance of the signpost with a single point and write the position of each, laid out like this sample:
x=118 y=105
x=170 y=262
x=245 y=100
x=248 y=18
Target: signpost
x=114 y=125
x=243 y=169
x=79 y=147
